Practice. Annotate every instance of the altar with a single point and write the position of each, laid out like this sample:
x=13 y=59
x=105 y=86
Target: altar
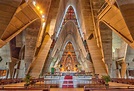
x=71 y=73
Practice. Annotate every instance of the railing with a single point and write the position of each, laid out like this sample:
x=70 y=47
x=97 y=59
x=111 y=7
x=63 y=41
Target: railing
x=59 y=80
x=105 y=5
x=102 y=7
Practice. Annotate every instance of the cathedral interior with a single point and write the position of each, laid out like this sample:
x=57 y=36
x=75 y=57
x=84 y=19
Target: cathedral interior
x=87 y=36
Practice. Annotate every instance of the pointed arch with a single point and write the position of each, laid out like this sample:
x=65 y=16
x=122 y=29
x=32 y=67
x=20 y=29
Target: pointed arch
x=80 y=31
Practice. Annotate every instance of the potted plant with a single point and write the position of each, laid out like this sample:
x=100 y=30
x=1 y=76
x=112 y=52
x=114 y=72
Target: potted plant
x=27 y=79
x=106 y=79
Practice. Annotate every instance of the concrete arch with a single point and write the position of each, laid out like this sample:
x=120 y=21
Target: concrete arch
x=70 y=4
x=66 y=36
x=63 y=34
x=71 y=42
x=69 y=38
x=67 y=28
x=70 y=26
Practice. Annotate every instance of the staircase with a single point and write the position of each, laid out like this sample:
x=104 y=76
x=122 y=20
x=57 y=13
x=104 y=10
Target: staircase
x=37 y=65
x=68 y=82
x=95 y=51
x=113 y=18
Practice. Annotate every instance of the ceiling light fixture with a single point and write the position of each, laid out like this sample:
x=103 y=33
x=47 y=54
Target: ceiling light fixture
x=34 y=3
x=38 y=7
x=41 y=11
x=43 y=20
x=43 y=16
x=43 y=25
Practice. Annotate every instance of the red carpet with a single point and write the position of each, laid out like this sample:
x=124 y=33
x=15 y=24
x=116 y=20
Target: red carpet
x=68 y=82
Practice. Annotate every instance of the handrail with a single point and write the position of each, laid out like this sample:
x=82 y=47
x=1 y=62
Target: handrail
x=102 y=7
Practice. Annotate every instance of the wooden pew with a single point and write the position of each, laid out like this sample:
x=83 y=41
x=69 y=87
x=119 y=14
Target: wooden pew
x=111 y=88
x=118 y=80
x=18 y=88
x=10 y=81
x=123 y=80
x=91 y=85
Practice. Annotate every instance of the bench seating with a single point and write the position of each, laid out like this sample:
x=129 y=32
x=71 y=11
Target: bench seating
x=10 y=81
x=122 y=80
x=118 y=80
x=90 y=85
x=18 y=89
x=111 y=88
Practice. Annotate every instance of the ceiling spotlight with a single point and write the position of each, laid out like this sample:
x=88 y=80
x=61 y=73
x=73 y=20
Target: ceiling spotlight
x=34 y=3
x=41 y=11
x=43 y=25
x=38 y=7
x=43 y=16
x=43 y=20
